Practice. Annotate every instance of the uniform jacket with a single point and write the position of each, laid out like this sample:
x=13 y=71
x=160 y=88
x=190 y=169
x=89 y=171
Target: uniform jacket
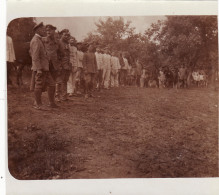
x=52 y=49
x=99 y=58
x=10 y=50
x=38 y=54
x=90 y=63
x=65 y=55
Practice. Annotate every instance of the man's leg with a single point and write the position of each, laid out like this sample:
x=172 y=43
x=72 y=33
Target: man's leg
x=112 y=80
x=65 y=78
x=107 y=79
x=58 y=81
x=117 y=80
x=39 y=84
x=51 y=90
x=74 y=79
x=103 y=77
x=125 y=77
x=87 y=79
x=69 y=84
x=99 y=79
x=122 y=77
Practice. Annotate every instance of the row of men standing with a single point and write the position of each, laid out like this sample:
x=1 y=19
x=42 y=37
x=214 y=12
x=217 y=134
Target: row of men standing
x=58 y=65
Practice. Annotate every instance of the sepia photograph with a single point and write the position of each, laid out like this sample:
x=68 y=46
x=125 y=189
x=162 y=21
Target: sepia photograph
x=112 y=97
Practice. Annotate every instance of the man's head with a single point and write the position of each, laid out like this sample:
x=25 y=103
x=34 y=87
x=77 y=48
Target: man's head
x=98 y=50
x=39 y=29
x=90 y=48
x=72 y=41
x=50 y=30
x=65 y=35
x=79 y=46
x=106 y=50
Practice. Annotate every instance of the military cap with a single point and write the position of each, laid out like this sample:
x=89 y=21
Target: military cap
x=38 y=25
x=51 y=27
x=64 y=31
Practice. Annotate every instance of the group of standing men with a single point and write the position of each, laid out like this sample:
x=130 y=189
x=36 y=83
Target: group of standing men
x=58 y=66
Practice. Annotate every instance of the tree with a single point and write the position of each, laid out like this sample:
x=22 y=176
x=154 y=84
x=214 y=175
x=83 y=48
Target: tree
x=21 y=31
x=191 y=40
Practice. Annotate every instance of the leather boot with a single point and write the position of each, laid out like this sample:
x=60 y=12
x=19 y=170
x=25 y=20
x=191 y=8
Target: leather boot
x=51 y=96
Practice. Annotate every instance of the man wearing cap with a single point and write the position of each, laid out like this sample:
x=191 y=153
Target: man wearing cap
x=99 y=76
x=41 y=77
x=106 y=68
x=71 y=85
x=65 y=62
x=52 y=47
x=90 y=69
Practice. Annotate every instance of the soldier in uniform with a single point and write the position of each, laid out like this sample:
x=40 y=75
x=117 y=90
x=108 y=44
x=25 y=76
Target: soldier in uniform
x=41 y=76
x=90 y=69
x=65 y=62
x=52 y=47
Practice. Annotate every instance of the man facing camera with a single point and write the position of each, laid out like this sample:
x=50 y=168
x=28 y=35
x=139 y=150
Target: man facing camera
x=52 y=47
x=41 y=76
x=65 y=62
x=90 y=69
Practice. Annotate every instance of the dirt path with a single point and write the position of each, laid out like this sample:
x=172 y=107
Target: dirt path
x=122 y=133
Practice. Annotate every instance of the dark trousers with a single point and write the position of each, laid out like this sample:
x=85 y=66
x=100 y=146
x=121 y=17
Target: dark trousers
x=123 y=77
x=138 y=80
x=89 y=79
x=64 y=76
x=99 y=78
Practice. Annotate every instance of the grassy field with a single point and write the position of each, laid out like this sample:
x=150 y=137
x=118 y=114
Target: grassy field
x=126 y=132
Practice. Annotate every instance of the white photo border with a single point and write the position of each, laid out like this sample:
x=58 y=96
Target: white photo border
x=65 y=8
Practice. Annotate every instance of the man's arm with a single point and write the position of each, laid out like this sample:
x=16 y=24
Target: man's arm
x=35 y=54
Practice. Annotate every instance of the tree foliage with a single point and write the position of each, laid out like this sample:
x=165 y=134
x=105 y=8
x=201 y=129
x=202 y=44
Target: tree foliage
x=21 y=32
x=188 y=40
x=21 y=29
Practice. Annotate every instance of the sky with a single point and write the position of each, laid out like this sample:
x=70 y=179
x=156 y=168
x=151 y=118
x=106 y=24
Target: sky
x=80 y=26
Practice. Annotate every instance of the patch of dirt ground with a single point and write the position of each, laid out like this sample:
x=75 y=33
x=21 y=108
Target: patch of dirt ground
x=126 y=132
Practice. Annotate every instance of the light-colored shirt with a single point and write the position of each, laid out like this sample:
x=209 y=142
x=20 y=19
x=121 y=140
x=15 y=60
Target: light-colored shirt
x=73 y=55
x=10 y=50
x=106 y=61
x=80 y=56
x=115 y=63
x=99 y=58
